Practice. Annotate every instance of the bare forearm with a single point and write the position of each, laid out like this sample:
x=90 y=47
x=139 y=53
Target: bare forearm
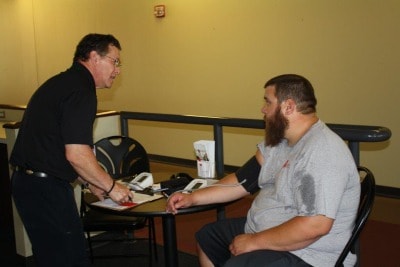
x=213 y=194
x=286 y=238
x=227 y=189
x=85 y=164
x=295 y=234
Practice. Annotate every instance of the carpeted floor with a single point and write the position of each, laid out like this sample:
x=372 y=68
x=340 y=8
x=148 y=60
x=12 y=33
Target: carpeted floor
x=380 y=244
x=114 y=248
x=138 y=247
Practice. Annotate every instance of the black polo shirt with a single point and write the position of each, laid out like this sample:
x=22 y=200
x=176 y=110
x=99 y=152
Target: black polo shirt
x=60 y=112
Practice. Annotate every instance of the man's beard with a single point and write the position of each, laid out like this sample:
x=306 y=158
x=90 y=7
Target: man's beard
x=275 y=128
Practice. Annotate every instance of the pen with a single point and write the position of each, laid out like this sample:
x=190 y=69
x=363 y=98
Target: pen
x=159 y=190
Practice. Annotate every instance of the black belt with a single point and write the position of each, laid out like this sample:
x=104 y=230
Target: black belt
x=30 y=172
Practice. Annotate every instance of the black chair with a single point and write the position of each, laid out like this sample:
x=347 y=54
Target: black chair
x=121 y=157
x=366 y=202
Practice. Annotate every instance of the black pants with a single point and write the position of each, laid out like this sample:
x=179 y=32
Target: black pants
x=49 y=213
x=215 y=238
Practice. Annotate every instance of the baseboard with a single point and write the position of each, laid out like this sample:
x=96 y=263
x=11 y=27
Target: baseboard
x=385 y=191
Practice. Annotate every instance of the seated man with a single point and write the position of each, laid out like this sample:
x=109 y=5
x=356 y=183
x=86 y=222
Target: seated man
x=308 y=186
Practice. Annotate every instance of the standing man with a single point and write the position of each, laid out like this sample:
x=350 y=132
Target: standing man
x=309 y=190
x=54 y=148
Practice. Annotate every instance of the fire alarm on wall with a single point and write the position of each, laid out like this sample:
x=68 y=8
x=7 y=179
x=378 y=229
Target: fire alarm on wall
x=159 y=11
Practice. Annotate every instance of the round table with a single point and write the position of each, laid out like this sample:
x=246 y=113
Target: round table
x=157 y=209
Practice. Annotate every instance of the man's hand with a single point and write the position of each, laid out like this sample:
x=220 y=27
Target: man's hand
x=177 y=201
x=84 y=162
x=242 y=244
x=120 y=193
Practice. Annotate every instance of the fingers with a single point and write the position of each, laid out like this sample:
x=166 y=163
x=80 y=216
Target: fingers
x=171 y=205
x=232 y=250
x=121 y=193
x=177 y=201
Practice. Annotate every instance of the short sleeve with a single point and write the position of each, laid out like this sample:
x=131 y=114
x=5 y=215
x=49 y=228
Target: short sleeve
x=78 y=114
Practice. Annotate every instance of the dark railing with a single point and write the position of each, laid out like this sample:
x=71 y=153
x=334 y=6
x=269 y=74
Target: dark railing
x=353 y=134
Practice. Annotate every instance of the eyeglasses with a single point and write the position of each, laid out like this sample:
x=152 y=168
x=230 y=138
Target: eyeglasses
x=117 y=63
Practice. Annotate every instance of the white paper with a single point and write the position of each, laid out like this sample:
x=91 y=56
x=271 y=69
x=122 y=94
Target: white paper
x=137 y=200
x=205 y=156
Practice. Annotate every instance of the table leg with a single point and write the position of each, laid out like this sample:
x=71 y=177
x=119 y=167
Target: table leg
x=220 y=213
x=170 y=244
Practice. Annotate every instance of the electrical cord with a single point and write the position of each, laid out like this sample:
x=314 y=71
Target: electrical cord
x=211 y=185
x=227 y=185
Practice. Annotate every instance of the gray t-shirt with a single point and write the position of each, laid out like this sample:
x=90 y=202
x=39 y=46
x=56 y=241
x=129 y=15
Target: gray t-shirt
x=316 y=176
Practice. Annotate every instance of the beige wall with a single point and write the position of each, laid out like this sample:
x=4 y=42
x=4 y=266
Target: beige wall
x=212 y=57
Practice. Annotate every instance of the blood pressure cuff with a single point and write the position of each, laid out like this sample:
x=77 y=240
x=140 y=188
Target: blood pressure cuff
x=249 y=172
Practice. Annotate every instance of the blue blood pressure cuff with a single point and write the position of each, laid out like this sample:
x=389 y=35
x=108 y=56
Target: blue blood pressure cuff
x=248 y=175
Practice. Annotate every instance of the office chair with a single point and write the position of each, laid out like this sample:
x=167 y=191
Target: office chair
x=366 y=202
x=120 y=157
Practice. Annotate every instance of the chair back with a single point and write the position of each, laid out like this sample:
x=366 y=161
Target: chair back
x=121 y=156
x=367 y=197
